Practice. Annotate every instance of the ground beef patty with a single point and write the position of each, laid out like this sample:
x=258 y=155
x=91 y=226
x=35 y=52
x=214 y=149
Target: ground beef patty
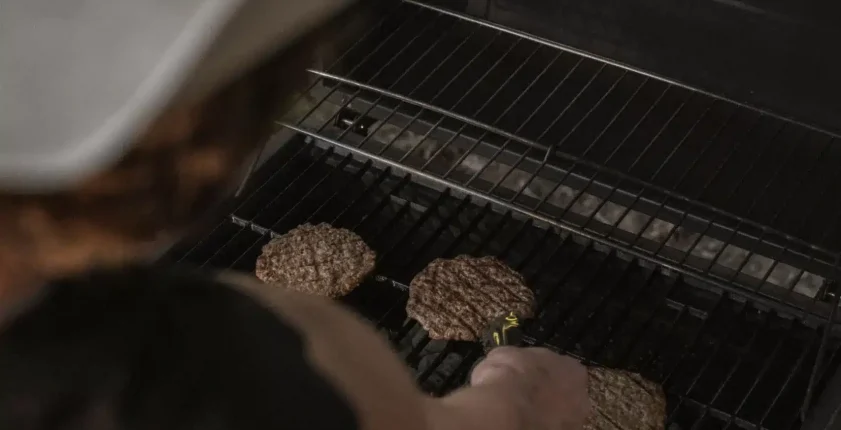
x=621 y=400
x=456 y=299
x=316 y=259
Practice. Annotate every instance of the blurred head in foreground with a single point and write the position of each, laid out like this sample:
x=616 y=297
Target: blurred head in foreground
x=112 y=346
x=191 y=158
x=188 y=161
x=156 y=349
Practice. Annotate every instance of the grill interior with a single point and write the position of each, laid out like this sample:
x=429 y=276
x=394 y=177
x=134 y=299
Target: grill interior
x=664 y=230
x=715 y=189
x=724 y=361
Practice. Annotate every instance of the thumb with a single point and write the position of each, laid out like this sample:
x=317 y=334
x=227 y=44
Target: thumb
x=501 y=363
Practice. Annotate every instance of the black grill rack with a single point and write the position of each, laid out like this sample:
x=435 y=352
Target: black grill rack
x=713 y=190
x=724 y=362
x=665 y=230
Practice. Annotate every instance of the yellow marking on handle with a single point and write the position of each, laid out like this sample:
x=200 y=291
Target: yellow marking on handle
x=510 y=321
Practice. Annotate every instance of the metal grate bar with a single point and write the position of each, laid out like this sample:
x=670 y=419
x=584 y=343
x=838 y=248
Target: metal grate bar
x=636 y=336
x=602 y=301
x=408 y=234
x=817 y=367
x=523 y=156
x=357 y=92
x=797 y=366
x=752 y=252
x=243 y=202
x=337 y=169
x=381 y=205
x=544 y=298
x=458 y=102
x=537 y=248
x=711 y=180
x=268 y=232
x=449 y=252
x=680 y=144
x=825 y=286
x=824 y=412
x=481 y=109
x=759 y=378
x=707 y=363
x=339 y=59
x=645 y=362
x=586 y=151
x=440 y=91
x=527 y=120
x=366 y=168
x=730 y=373
x=423 y=105
x=642 y=154
x=263 y=231
x=755 y=200
x=446 y=222
x=693 y=343
x=591 y=110
x=382 y=176
x=566 y=48
x=683 y=177
x=549 y=150
x=592 y=178
x=312 y=164
x=622 y=318
x=556 y=321
x=252 y=199
x=833 y=229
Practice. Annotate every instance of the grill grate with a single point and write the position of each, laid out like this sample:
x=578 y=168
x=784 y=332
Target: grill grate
x=724 y=362
x=665 y=230
x=704 y=186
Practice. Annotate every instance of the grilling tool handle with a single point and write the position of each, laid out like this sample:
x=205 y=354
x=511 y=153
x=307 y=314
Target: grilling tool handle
x=504 y=331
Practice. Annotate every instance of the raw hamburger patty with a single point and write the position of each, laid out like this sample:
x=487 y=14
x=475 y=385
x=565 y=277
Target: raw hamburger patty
x=316 y=259
x=456 y=299
x=621 y=400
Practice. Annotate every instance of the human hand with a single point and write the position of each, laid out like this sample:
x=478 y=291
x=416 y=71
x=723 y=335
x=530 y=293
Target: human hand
x=548 y=390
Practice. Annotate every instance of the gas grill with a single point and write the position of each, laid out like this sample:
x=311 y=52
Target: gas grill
x=665 y=229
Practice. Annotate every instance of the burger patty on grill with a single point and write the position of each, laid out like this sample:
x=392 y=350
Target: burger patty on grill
x=316 y=259
x=621 y=400
x=457 y=298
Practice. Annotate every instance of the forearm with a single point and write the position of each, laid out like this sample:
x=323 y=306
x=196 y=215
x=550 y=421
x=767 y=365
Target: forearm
x=362 y=367
x=350 y=355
